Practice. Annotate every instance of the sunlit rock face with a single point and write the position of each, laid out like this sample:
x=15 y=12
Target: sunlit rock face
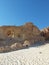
x=14 y=37
x=45 y=33
x=25 y=31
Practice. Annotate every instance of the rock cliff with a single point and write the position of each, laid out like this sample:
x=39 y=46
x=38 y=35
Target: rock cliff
x=17 y=37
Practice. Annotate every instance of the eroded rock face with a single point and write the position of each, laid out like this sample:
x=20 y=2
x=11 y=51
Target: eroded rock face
x=16 y=37
x=19 y=31
x=45 y=33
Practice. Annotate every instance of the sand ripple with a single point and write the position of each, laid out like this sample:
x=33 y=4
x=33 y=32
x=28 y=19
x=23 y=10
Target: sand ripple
x=30 y=56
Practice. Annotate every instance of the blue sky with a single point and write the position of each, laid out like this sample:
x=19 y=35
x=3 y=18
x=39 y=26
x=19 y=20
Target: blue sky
x=18 y=12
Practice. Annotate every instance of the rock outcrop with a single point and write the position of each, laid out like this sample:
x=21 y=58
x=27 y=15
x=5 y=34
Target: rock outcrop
x=45 y=33
x=16 y=37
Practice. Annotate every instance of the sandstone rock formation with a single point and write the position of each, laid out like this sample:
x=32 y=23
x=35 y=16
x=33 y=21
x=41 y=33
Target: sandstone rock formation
x=45 y=33
x=14 y=37
x=16 y=46
x=26 y=43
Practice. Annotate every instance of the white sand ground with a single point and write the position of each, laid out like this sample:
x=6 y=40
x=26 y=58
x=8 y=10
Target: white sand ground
x=31 y=56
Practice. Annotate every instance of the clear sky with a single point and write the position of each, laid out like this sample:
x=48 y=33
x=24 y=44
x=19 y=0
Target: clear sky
x=18 y=12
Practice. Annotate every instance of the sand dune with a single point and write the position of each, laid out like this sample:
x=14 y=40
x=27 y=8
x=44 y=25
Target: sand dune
x=32 y=56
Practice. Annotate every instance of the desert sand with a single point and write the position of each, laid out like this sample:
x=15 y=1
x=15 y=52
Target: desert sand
x=37 y=55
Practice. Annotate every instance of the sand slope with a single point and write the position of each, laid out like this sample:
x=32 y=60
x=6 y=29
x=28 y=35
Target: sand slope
x=31 y=56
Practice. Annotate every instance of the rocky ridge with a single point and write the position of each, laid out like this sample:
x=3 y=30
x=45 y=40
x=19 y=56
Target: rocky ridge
x=18 y=37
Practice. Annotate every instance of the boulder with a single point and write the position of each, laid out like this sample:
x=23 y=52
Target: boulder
x=16 y=46
x=26 y=43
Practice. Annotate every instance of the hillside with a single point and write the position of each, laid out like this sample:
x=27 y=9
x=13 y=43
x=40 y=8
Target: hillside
x=18 y=37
